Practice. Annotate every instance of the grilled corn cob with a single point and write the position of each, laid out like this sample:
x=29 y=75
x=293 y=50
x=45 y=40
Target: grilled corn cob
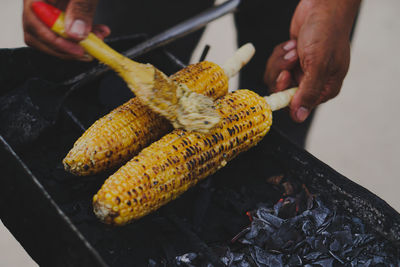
x=121 y=134
x=168 y=167
x=130 y=127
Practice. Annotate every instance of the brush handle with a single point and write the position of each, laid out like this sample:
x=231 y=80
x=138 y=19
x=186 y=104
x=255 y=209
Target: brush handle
x=94 y=46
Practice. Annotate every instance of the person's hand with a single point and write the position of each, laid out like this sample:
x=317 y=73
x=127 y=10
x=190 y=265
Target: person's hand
x=317 y=56
x=78 y=24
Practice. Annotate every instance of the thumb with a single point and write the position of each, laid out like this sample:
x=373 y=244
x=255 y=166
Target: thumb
x=308 y=96
x=79 y=18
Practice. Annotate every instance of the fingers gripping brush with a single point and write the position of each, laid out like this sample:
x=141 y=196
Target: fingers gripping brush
x=179 y=160
x=183 y=107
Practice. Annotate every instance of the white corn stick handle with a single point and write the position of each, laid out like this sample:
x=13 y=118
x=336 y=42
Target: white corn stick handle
x=280 y=99
x=241 y=57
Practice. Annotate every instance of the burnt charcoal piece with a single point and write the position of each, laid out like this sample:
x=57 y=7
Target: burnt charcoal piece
x=188 y=258
x=264 y=259
x=316 y=237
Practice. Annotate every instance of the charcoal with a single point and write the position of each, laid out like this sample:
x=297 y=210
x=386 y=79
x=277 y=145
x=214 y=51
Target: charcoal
x=361 y=239
x=344 y=237
x=265 y=259
x=264 y=215
x=242 y=264
x=152 y=263
x=378 y=260
x=313 y=256
x=287 y=209
x=262 y=238
x=335 y=245
x=186 y=259
x=336 y=257
x=294 y=260
x=316 y=243
x=324 y=262
x=284 y=236
x=375 y=262
x=240 y=234
x=228 y=257
x=254 y=229
x=225 y=260
x=357 y=222
x=237 y=257
x=320 y=214
x=308 y=228
x=319 y=236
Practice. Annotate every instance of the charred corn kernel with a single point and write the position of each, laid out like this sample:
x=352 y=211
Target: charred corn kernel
x=205 y=78
x=121 y=134
x=168 y=167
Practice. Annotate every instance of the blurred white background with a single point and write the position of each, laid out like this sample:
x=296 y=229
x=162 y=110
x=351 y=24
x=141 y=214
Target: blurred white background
x=357 y=133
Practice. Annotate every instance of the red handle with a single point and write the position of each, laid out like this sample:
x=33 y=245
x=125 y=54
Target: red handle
x=46 y=13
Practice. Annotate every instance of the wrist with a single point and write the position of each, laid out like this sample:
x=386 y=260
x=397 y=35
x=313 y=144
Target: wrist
x=344 y=13
x=347 y=11
x=340 y=13
x=333 y=16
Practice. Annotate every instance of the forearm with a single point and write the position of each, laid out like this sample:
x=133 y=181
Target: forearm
x=336 y=15
x=347 y=11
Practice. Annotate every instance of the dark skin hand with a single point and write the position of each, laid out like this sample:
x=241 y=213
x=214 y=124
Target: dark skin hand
x=78 y=23
x=318 y=55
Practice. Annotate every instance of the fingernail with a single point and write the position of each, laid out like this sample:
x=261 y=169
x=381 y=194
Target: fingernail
x=302 y=114
x=78 y=28
x=290 y=55
x=289 y=45
x=280 y=77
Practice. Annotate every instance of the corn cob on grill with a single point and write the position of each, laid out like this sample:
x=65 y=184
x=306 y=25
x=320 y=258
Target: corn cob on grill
x=170 y=166
x=121 y=134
